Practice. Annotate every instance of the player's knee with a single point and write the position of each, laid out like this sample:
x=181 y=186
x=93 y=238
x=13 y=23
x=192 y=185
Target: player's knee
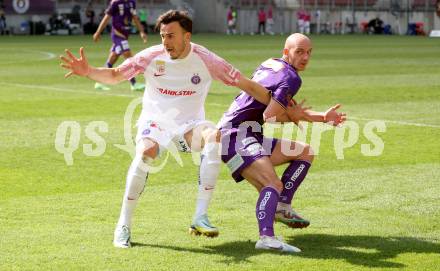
x=148 y=149
x=217 y=136
x=211 y=135
x=308 y=153
x=149 y=153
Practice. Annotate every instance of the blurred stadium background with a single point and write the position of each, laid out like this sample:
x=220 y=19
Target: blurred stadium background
x=413 y=17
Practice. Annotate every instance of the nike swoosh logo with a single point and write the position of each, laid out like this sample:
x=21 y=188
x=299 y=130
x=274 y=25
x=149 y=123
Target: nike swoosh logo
x=209 y=188
x=276 y=248
x=158 y=74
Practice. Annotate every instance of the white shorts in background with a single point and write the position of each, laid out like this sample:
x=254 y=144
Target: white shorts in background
x=165 y=136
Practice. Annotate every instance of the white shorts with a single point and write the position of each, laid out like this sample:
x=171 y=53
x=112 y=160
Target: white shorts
x=165 y=137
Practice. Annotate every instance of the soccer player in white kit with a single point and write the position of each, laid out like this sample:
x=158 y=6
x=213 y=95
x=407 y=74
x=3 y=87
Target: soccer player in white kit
x=178 y=76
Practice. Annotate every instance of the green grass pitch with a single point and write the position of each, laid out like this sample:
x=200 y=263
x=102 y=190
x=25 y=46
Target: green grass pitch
x=367 y=212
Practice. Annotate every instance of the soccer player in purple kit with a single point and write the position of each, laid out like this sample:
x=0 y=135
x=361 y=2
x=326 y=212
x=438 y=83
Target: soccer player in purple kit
x=122 y=13
x=251 y=156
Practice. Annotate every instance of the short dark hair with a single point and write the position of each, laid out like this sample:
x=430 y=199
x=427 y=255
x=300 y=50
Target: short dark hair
x=171 y=15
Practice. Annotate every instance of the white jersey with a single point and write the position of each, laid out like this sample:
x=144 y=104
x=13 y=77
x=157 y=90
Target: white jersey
x=177 y=88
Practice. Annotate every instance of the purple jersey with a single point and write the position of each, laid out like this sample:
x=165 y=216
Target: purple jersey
x=278 y=77
x=122 y=12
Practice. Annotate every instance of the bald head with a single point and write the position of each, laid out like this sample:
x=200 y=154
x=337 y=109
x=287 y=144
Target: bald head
x=297 y=51
x=296 y=38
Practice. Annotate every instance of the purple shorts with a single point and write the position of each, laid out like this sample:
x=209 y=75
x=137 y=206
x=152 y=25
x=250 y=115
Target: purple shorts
x=120 y=45
x=240 y=148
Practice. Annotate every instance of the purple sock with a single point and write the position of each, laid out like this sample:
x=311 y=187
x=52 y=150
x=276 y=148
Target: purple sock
x=292 y=178
x=133 y=81
x=265 y=210
x=109 y=65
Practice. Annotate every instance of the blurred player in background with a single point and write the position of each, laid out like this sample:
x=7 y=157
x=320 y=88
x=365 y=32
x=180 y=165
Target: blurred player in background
x=122 y=13
x=231 y=19
x=178 y=74
x=251 y=156
x=262 y=21
x=270 y=21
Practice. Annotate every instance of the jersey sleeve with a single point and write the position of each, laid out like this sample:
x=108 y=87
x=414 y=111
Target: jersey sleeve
x=286 y=90
x=219 y=68
x=138 y=63
x=111 y=8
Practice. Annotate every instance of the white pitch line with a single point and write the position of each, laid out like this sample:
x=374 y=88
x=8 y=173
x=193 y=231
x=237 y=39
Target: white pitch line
x=400 y=122
x=48 y=56
x=216 y=104
x=66 y=90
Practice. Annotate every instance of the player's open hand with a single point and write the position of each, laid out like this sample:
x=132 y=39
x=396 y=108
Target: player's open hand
x=333 y=117
x=78 y=66
x=297 y=111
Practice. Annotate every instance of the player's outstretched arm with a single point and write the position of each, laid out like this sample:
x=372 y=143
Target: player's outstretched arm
x=254 y=89
x=140 y=28
x=80 y=67
x=101 y=27
x=331 y=116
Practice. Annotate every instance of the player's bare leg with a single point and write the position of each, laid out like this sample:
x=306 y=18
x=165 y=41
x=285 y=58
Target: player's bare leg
x=205 y=139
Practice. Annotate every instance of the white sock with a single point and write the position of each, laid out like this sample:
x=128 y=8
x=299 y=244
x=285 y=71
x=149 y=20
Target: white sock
x=136 y=179
x=208 y=174
x=126 y=215
x=282 y=206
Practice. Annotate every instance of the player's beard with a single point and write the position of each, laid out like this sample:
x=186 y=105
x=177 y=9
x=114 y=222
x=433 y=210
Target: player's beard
x=180 y=53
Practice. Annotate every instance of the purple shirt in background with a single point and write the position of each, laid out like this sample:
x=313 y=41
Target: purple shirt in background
x=122 y=12
x=278 y=77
